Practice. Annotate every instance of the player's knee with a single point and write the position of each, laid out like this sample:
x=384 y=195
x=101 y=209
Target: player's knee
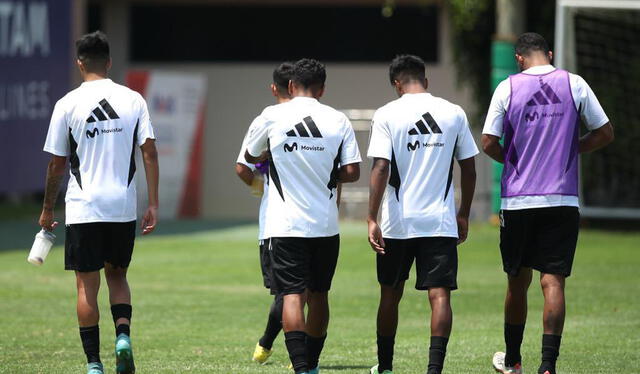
x=552 y=282
x=439 y=295
x=115 y=274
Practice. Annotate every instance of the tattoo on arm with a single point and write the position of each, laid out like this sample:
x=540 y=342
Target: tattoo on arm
x=51 y=190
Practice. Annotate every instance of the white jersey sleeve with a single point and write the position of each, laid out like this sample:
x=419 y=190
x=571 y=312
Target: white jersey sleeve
x=497 y=109
x=590 y=109
x=350 y=153
x=258 y=136
x=245 y=141
x=145 y=129
x=57 y=142
x=465 y=145
x=380 y=141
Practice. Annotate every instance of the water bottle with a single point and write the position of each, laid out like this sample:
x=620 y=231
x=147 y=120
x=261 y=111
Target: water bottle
x=41 y=247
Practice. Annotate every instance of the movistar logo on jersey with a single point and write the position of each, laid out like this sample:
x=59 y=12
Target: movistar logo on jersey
x=300 y=130
x=544 y=96
x=92 y=134
x=421 y=129
x=103 y=112
x=417 y=145
x=303 y=147
x=291 y=148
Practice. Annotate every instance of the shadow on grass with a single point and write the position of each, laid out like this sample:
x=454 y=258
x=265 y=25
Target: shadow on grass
x=345 y=367
x=20 y=234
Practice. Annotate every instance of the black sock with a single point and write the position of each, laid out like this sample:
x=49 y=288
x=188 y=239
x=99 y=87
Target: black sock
x=274 y=324
x=90 y=337
x=121 y=311
x=123 y=329
x=437 y=352
x=513 y=340
x=314 y=348
x=385 y=352
x=550 y=352
x=297 y=347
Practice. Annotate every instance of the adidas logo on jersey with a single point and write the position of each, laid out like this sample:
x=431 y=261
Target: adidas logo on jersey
x=544 y=96
x=299 y=130
x=421 y=129
x=102 y=112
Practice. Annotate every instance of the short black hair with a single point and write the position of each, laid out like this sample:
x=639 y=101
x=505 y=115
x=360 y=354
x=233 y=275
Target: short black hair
x=309 y=73
x=406 y=68
x=93 y=51
x=281 y=77
x=531 y=42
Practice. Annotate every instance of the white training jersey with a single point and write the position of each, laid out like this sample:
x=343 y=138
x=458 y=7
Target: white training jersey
x=98 y=126
x=308 y=141
x=263 y=199
x=421 y=135
x=587 y=104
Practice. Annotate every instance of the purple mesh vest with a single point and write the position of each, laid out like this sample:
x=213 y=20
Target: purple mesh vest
x=541 y=130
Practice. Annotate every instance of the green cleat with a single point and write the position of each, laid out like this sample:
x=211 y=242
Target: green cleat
x=124 y=355
x=95 y=368
x=374 y=370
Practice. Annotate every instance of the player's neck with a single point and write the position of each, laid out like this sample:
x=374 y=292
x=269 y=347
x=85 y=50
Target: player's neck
x=535 y=61
x=413 y=88
x=88 y=77
x=280 y=100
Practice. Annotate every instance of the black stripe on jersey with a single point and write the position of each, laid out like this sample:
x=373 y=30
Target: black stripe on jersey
x=74 y=160
x=291 y=133
x=450 y=178
x=333 y=177
x=312 y=127
x=422 y=128
x=99 y=114
x=273 y=172
x=432 y=123
x=301 y=130
x=413 y=132
x=91 y=119
x=108 y=109
x=394 y=176
x=132 y=162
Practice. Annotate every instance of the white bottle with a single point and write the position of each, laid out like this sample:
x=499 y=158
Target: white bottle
x=41 y=247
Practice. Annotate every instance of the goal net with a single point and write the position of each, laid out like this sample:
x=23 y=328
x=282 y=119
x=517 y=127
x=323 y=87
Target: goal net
x=600 y=41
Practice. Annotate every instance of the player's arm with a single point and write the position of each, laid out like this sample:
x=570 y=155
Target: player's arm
x=493 y=127
x=244 y=173
x=55 y=175
x=349 y=173
x=377 y=186
x=467 y=187
x=152 y=172
x=596 y=139
x=492 y=147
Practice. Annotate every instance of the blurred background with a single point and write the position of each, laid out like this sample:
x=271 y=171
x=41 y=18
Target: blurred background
x=205 y=66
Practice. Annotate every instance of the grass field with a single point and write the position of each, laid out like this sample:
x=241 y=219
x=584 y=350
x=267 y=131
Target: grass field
x=199 y=307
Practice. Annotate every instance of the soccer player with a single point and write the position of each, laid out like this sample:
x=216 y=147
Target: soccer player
x=537 y=114
x=97 y=127
x=414 y=142
x=252 y=176
x=311 y=147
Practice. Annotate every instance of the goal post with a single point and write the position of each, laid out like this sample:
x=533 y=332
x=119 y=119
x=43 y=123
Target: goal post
x=600 y=41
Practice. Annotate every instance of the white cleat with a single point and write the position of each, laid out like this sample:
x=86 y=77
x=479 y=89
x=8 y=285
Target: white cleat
x=498 y=365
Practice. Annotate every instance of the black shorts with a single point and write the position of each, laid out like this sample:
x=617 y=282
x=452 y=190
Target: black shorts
x=265 y=264
x=543 y=239
x=436 y=262
x=304 y=263
x=89 y=245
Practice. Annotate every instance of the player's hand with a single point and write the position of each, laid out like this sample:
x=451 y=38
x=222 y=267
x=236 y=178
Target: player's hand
x=46 y=220
x=463 y=228
x=149 y=220
x=375 y=238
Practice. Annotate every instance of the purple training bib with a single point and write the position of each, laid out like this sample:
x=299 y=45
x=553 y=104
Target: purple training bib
x=541 y=133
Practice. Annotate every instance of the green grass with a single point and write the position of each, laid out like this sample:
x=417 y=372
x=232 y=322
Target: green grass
x=199 y=307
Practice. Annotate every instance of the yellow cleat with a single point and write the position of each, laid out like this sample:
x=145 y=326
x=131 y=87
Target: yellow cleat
x=261 y=354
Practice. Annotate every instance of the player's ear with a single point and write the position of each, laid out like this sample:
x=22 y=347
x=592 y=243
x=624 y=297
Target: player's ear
x=550 y=55
x=274 y=90
x=290 y=88
x=426 y=83
x=80 y=66
x=321 y=91
x=109 y=63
